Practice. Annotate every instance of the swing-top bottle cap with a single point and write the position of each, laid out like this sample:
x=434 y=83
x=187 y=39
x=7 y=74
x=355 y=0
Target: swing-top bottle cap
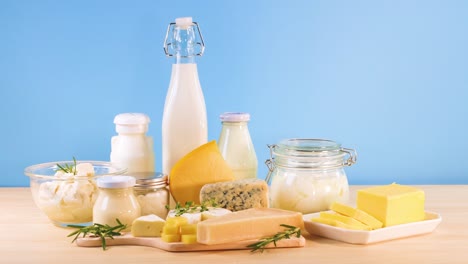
x=131 y=123
x=184 y=22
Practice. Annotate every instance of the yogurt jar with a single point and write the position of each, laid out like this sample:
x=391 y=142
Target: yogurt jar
x=116 y=200
x=307 y=175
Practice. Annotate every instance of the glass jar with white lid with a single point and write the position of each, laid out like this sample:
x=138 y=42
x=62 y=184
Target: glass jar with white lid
x=116 y=200
x=307 y=175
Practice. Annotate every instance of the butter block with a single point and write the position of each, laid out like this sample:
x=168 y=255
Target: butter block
x=357 y=214
x=392 y=204
x=336 y=223
x=252 y=223
x=351 y=222
x=237 y=195
x=147 y=226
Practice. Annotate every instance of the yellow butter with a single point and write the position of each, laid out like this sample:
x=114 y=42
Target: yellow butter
x=392 y=204
x=336 y=223
x=357 y=214
x=147 y=226
x=351 y=222
x=247 y=224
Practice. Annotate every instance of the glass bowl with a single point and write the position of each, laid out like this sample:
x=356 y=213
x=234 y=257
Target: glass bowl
x=66 y=198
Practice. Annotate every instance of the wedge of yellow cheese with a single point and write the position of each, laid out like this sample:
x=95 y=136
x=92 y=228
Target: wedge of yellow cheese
x=392 y=204
x=351 y=222
x=357 y=214
x=254 y=223
x=147 y=226
x=203 y=165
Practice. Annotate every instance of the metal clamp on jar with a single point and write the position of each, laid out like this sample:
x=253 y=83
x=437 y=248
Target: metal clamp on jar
x=153 y=194
x=307 y=175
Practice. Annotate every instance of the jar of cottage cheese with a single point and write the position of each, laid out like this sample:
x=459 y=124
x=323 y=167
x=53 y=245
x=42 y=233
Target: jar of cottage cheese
x=307 y=175
x=153 y=195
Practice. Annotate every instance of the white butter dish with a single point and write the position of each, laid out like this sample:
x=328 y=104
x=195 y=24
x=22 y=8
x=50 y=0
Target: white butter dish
x=368 y=237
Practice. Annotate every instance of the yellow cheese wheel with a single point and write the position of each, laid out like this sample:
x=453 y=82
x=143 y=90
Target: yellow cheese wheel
x=203 y=165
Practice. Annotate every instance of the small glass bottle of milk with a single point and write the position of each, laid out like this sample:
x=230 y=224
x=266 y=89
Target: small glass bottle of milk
x=132 y=148
x=236 y=145
x=184 y=122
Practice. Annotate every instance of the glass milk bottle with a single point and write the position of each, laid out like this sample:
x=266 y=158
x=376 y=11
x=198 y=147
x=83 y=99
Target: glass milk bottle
x=132 y=149
x=236 y=145
x=184 y=122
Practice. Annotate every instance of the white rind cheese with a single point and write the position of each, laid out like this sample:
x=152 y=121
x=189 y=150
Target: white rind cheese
x=237 y=195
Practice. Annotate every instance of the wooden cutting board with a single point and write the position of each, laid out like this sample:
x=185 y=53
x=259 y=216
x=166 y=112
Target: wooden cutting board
x=156 y=242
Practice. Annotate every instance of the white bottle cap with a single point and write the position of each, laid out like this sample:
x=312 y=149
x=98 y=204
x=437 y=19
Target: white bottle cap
x=234 y=117
x=184 y=22
x=131 y=123
x=116 y=182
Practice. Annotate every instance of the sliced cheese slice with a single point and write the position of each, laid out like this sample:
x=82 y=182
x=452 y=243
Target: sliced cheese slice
x=254 y=223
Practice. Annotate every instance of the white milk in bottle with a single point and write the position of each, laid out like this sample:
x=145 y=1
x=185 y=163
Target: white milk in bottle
x=236 y=145
x=184 y=123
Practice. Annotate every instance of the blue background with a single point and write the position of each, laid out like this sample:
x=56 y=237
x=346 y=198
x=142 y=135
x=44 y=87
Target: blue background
x=388 y=78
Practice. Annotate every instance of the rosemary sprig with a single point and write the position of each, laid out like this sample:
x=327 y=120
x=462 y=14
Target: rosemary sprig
x=191 y=207
x=287 y=233
x=98 y=230
x=67 y=168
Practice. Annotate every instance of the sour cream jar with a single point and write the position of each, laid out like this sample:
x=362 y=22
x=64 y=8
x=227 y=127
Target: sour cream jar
x=116 y=200
x=307 y=175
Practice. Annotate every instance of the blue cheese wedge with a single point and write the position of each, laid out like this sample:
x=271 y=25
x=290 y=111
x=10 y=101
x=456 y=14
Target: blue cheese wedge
x=237 y=195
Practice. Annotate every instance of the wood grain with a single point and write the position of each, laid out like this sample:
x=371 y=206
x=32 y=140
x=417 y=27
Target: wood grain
x=29 y=237
x=156 y=242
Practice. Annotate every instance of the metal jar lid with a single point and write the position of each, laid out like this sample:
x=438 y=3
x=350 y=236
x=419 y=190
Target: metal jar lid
x=152 y=181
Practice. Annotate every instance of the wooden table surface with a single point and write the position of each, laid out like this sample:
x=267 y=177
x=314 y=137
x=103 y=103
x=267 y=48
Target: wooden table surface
x=29 y=237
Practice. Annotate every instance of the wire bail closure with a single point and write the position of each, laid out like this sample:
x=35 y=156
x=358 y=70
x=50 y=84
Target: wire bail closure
x=166 y=44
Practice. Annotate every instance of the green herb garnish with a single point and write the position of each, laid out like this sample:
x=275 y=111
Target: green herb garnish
x=287 y=233
x=191 y=207
x=68 y=168
x=98 y=230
